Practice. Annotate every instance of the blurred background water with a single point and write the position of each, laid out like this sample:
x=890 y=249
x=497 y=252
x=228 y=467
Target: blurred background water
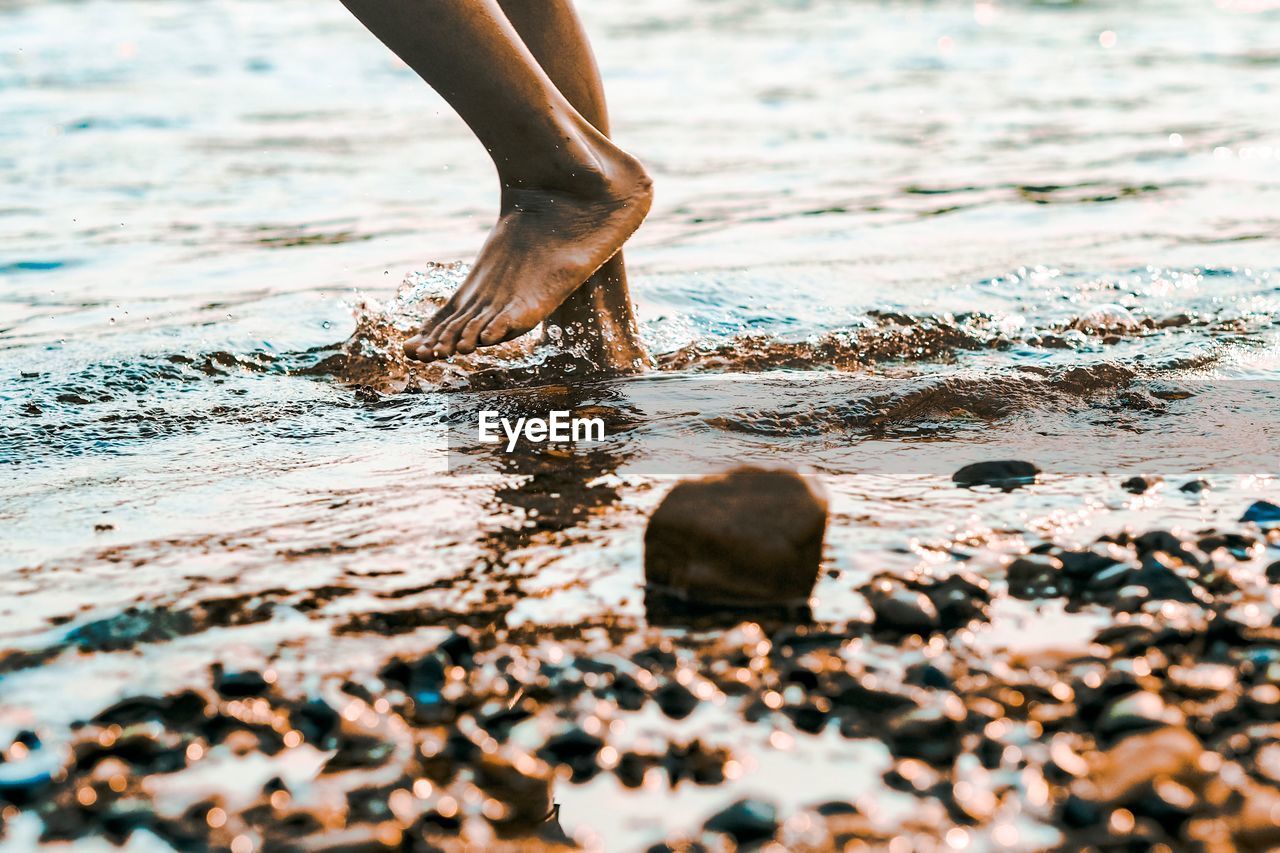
x=200 y=198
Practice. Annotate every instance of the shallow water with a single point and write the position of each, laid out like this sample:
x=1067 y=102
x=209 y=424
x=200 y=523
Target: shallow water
x=962 y=230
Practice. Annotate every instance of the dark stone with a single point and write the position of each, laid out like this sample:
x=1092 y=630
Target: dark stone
x=857 y=696
x=576 y=749
x=834 y=808
x=458 y=649
x=675 y=700
x=631 y=769
x=500 y=721
x=627 y=692
x=1035 y=577
x=178 y=710
x=928 y=675
x=746 y=821
x=695 y=762
x=1079 y=813
x=1141 y=484
x=1006 y=475
x=749 y=536
x=318 y=722
x=1194 y=487
x=423 y=681
x=1161 y=581
x=900 y=610
x=1262 y=513
x=1111 y=578
x=959 y=599
x=238 y=685
x=1082 y=565
x=1273 y=572
x=527 y=797
x=807 y=717
x=929 y=734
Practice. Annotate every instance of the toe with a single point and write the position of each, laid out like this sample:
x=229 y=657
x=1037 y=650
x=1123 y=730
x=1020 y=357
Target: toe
x=469 y=339
x=431 y=328
x=452 y=331
x=496 y=331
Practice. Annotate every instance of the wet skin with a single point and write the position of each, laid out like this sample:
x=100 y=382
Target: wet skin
x=521 y=75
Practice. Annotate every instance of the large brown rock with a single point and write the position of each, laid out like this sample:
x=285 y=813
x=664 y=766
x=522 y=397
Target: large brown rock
x=749 y=537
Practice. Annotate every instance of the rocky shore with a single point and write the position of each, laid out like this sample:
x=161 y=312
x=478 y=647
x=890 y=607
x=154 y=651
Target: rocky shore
x=1160 y=733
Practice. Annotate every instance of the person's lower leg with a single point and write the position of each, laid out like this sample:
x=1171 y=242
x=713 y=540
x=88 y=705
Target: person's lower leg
x=597 y=319
x=569 y=196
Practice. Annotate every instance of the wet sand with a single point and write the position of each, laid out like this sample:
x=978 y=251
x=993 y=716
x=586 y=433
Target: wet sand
x=256 y=594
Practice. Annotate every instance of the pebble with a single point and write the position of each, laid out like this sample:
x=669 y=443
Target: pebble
x=931 y=734
x=746 y=821
x=1139 y=485
x=900 y=610
x=576 y=749
x=1006 y=475
x=1262 y=513
x=239 y=684
x=749 y=536
x=1035 y=577
x=959 y=598
x=675 y=700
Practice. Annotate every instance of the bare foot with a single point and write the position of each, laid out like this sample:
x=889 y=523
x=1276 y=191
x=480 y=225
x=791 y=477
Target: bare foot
x=547 y=242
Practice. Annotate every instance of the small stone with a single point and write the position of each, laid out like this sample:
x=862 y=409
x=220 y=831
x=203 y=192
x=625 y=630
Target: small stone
x=1140 y=484
x=752 y=536
x=1194 y=487
x=1082 y=565
x=238 y=685
x=631 y=768
x=458 y=649
x=928 y=675
x=675 y=700
x=959 y=599
x=319 y=723
x=1162 y=540
x=1035 y=577
x=1262 y=513
x=833 y=808
x=1006 y=475
x=1162 y=582
x=575 y=749
x=901 y=610
x=931 y=734
x=627 y=692
x=746 y=821
x=695 y=762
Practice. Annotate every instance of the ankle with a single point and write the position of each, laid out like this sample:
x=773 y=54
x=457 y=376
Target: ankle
x=584 y=164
